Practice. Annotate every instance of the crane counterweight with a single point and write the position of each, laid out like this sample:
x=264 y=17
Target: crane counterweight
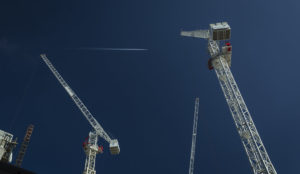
x=114 y=147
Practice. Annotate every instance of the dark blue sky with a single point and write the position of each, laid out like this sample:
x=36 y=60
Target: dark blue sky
x=146 y=99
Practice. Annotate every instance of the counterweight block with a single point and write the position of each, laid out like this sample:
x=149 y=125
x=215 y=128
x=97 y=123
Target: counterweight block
x=114 y=147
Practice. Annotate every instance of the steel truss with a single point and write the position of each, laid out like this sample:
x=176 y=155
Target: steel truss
x=91 y=150
x=257 y=154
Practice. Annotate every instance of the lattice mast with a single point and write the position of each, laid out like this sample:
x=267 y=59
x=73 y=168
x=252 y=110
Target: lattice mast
x=220 y=61
x=194 y=136
x=24 y=146
x=91 y=149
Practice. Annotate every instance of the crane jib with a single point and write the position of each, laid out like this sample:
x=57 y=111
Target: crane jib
x=94 y=123
x=91 y=149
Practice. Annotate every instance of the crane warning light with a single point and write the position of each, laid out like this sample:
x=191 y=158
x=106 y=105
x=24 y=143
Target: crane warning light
x=209 y=64
x=100 y=149
x=86 y=142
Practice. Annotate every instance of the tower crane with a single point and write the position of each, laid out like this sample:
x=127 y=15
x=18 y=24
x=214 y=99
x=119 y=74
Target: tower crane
x=194 y=136
x=218 y=35
x=98 y=130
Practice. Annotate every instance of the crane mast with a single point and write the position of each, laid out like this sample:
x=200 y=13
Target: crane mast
x=220 y=61
x=194 y=136
x=91 y=150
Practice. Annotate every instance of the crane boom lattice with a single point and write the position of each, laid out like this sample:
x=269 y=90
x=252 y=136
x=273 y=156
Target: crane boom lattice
x=194 y=136
x=94 y=123
x=220 y=61
x=113 y=143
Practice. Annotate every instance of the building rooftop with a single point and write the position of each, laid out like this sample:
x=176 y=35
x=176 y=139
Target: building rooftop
x=6 y=168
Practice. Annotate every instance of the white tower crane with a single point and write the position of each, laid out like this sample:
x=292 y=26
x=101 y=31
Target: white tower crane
x=220 y=61
x=194 y=136
x=99 y=131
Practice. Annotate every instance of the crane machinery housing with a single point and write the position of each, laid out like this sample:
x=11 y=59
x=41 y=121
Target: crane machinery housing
x=91 y=149
x=218 y=35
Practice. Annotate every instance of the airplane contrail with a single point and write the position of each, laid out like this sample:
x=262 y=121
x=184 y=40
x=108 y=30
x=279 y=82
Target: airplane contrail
x=115 y=49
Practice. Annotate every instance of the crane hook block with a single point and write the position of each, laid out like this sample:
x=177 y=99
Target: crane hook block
x=114 y=147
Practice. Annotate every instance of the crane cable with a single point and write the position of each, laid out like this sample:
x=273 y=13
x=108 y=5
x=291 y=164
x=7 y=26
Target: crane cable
x=19 y=107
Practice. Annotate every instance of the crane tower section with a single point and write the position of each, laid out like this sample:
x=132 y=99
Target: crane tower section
x=220 y=61
x=194 y=136
x=91 y=149
x=113 y=143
